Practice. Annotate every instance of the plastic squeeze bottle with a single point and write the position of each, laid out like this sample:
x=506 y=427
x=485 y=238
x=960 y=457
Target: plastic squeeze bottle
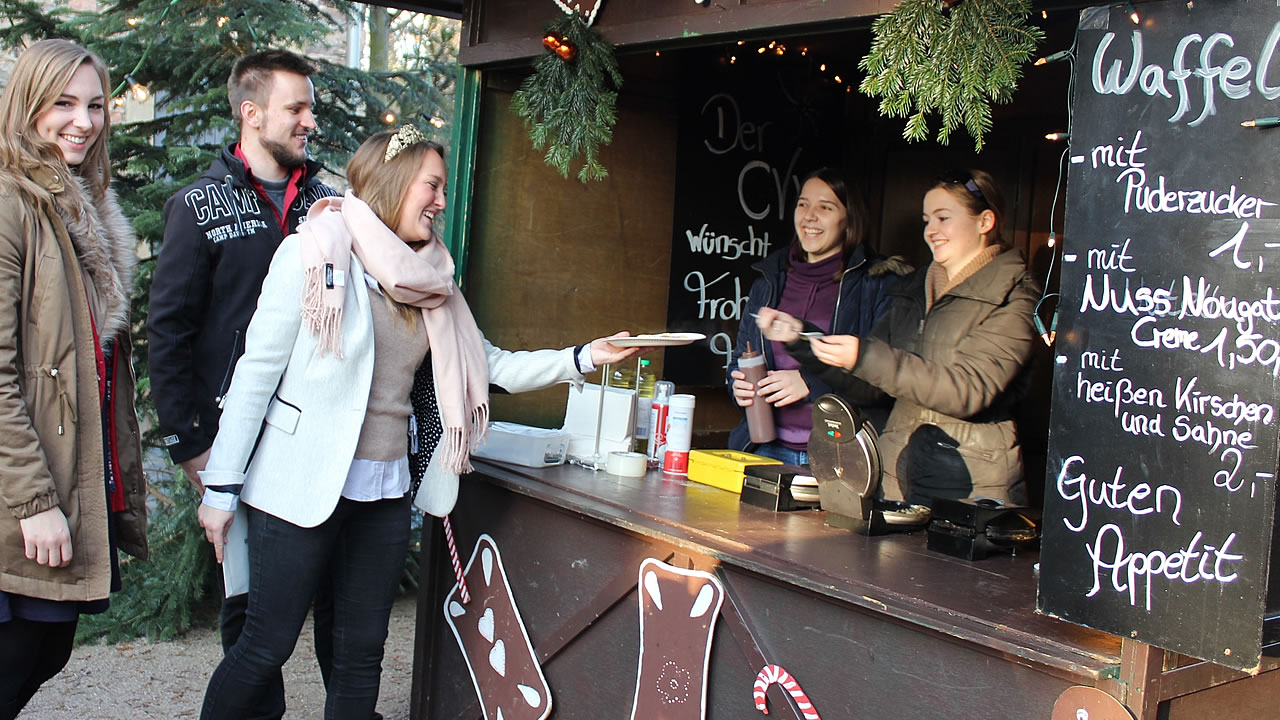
x=759 y=412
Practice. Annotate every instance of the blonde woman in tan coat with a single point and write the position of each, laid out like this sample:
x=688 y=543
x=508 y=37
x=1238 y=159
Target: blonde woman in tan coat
x=71 y=479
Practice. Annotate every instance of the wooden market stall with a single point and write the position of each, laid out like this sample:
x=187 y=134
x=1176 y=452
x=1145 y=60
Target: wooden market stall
x=714 y=122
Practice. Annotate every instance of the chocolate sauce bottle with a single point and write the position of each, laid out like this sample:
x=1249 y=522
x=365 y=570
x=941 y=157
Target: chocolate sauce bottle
x=759 y=412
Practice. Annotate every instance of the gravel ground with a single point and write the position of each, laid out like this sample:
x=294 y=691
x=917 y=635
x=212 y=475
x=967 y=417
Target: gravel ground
x=140 y=680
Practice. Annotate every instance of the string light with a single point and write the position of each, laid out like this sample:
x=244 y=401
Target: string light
x=436 y=122
x=1044 y=14
x=125 y=83
x=1054 y=57
x=1051 y=333
x=762 y=50
x=133 y=21
x=733 y=59
x=838 y=80
x=822 y=67
x=223 y=20
x=140 y=91
x=1056 y=136
x=389 y=117
x=1133 y=12
x=657 y=53
x=1266 y=122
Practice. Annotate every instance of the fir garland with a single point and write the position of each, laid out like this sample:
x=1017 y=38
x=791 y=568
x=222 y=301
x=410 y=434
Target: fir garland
x=566 y=104
x=927 y=59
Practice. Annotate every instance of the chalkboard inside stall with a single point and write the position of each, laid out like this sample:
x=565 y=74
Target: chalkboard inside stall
x=1161 y=486
x=749 y=131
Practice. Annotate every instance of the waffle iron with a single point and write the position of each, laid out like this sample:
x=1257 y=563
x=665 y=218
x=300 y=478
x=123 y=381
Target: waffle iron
x=844 y=456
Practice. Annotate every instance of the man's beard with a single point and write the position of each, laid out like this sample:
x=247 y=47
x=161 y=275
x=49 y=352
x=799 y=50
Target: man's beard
x=283 y=154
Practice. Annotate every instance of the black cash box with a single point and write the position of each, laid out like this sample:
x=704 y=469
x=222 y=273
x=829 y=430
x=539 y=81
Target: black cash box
x=769 y=487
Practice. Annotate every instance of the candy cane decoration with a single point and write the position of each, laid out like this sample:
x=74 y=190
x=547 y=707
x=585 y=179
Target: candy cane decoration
x=457 y=564
x=775 y=674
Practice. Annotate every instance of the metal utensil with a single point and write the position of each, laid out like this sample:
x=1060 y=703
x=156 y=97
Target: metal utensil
x=806 y=335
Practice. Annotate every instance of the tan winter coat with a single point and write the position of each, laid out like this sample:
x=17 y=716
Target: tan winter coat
x=957 y=372
x=51 y=434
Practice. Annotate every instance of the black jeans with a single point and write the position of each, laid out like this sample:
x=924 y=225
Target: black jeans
x=361 y=550
x=231 y=623
x=31 y=652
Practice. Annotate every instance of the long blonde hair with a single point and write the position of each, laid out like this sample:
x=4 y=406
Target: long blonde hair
x=41 y=74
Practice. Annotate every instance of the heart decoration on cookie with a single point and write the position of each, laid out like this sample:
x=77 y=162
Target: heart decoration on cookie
x=504 y=669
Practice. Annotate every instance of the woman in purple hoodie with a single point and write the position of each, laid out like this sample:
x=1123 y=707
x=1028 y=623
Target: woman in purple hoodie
x=828 y=276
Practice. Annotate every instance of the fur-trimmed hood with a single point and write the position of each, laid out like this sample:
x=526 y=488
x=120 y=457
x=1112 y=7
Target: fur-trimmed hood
x=107 y=247
x=103 y=238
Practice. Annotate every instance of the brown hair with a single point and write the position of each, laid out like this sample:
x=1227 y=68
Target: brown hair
x=251 y=76
x=855 y=213
x=381 y=184
x=38 y=80
x=976 y=190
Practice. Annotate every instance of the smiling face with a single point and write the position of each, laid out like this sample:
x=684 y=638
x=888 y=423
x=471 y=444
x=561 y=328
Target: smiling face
x=77 y=117
x=821 y=221
x=423 y=200
x=954 y=234
x=287 y=120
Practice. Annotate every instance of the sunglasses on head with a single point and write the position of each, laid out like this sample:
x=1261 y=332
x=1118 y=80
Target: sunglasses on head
x=965 y=179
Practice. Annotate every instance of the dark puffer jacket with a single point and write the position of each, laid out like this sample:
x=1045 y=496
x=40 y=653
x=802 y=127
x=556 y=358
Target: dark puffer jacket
x=864 y=297
x=957 y=372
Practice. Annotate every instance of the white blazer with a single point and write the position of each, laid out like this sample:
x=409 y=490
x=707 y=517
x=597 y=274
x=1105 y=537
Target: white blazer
x=310 y=408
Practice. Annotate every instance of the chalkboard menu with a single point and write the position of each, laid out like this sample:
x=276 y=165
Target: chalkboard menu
x=749 y=131
x=1161 y=488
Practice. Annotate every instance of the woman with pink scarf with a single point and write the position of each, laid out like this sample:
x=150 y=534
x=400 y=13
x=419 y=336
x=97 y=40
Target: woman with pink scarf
x=313 y=450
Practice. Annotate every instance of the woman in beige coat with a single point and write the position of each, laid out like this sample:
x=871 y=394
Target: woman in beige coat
x=70 y=461
x=953 y=350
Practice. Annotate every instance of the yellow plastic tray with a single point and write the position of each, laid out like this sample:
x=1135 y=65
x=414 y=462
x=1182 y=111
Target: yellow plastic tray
x=723 y=468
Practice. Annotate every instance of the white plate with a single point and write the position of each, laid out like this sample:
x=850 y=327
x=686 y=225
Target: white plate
x=658 y=340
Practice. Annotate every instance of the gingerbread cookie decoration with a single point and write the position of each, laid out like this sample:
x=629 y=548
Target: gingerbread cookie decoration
x=678 y=611
x=586 y=8
x=489 y=630
x=1087 y=703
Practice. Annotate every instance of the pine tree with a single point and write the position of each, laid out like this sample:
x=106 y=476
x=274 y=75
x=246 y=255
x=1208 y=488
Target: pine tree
x=953 y=57
x=183 y=52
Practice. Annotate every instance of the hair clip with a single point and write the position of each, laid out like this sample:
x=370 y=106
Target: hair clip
x=406 y=137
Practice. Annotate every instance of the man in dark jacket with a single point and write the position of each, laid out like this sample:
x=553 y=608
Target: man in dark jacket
x=220 y=233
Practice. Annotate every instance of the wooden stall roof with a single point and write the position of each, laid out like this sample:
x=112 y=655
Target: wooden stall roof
x=498 y=31
x=446 y=8
x=501 y=31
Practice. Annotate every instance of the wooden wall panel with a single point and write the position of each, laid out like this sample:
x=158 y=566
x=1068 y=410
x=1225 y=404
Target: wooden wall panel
x=554 y=262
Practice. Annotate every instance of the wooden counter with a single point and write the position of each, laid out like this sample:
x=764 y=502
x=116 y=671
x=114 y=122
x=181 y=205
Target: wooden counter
x=871 y=627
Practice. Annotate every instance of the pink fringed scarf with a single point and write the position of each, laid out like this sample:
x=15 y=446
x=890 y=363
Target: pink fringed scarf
x=335 y=228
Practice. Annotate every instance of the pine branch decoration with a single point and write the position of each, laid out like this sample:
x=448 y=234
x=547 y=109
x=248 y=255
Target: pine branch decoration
x=925 y=60
x=567 y=104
